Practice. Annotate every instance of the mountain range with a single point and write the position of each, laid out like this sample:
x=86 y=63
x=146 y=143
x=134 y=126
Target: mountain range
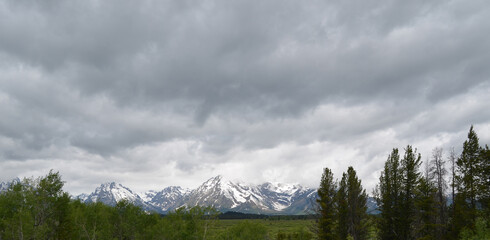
x=223 y=194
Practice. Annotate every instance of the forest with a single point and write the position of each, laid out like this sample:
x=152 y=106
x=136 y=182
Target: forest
x=443 y=198
x=415 y=201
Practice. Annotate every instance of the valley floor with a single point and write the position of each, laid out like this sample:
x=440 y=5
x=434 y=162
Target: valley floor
x=273 y=227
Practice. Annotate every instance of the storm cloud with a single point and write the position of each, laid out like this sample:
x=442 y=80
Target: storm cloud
x=159 y=93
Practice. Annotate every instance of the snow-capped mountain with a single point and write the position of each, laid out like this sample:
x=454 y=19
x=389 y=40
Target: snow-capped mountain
x=226 y=195
x=221 y=193
x=265 y=198
x=372 y=206
x=112 y=193
x=5 y=185
x=167 y=199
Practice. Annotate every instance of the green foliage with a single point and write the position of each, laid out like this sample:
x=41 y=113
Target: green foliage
x=189 y=223
x=481 y=231
x=411 y=176
x=396 y=194
x=91 y=221
x=388 y=196
x=245 y=230
x=426 y=204
x=414 y=207
x=342 y=225
x=468 y=178
x=472 y=184
x=274 y=226
x=326 y=204
x=342 y=213
x=35 y=209
x=356 y=199
x=484 y=186
x=126 y=220
x=15 y=215
x=299 y=234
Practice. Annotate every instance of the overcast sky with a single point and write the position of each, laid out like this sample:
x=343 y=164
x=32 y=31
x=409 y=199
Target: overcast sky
x=158 y=93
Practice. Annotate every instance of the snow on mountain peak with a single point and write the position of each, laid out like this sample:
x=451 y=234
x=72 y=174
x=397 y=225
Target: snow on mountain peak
x=111 y=193
x=217 y=191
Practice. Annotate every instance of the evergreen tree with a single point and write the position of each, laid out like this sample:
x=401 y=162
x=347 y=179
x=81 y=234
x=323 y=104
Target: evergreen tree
x=411 y=176
x=357 y=200
x=388 y=197
x=426 y=203
x=342 y=209
x=468 y=167
x=485 y=181
x=326 y=206
x=427 y=214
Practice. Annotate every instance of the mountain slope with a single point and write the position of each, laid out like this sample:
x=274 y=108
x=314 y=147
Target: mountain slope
x=168 y=199
x=226 y=195
x=223 y=194
x=112 y=193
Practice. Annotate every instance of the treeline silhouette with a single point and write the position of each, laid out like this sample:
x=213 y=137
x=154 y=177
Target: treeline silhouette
x=413 y=203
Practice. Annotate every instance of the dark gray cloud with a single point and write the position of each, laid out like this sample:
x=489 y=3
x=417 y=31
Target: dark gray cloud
x=128 y=90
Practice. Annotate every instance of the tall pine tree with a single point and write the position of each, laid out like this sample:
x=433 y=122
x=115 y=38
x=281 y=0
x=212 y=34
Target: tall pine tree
x=468 y=179
x=426 y=226
x=411 y=176
x=388 y=197
x=342 y=212
x=357 y=200
x=485 y=181
x=326 y=206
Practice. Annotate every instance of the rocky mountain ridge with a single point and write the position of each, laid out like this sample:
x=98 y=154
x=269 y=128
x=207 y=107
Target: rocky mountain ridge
x=223 y=194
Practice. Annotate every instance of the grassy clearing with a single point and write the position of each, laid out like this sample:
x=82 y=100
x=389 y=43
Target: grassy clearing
x=273 y=226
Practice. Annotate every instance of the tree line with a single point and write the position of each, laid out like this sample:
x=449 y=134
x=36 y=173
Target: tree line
x=430 y=203
x=40 y=209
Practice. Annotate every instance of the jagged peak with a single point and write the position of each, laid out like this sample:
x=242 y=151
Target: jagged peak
x=109 y=185
x=114 y=187
x=215 y=179
x=223 y=180
x=218 y=191
x=172 y=188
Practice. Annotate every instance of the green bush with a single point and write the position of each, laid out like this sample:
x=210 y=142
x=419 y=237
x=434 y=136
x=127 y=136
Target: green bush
x=482 y=231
